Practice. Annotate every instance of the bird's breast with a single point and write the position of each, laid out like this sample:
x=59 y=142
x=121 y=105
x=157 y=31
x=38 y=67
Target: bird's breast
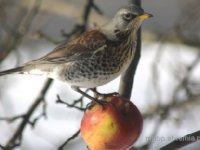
x=102 y=67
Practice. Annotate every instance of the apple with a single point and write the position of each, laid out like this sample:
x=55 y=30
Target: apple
x=114 y=126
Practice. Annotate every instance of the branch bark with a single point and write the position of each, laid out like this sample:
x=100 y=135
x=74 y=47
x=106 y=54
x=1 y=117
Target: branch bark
x=127 y=78
x=17 y=135
x=75 y=135
x=183 y=141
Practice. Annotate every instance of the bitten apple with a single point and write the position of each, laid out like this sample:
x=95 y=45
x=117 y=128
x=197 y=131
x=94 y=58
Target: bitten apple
x=114 y=126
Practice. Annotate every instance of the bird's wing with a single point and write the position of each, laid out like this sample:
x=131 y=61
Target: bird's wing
x=82 y=47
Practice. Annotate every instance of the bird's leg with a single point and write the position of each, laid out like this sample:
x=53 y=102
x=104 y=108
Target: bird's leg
x=77 y=89
x=94 y=90
x=97 y=94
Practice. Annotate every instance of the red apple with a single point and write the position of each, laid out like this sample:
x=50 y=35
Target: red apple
x=116 y=126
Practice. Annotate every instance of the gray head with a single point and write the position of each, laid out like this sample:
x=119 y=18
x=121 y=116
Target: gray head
x=126 y=21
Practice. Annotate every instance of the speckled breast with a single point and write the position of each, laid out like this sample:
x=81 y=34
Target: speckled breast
x=102 y=67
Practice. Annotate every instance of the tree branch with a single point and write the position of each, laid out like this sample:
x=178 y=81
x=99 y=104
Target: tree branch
x=22 y=29
x=15 y=140
x=82 y=25
x=183 y=141
x=11 y=119
x=69 y=139
x=73 y=105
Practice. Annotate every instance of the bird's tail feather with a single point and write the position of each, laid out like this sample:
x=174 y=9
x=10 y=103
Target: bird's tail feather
x=11 y=71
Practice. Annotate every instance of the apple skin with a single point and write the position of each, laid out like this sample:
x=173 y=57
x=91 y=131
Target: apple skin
x=116 y=126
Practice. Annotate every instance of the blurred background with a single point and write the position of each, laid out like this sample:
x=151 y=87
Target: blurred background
x=167 y=81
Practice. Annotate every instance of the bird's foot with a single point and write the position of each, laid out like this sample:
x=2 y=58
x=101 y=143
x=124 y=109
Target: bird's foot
x=95 y=100
x=97 y=94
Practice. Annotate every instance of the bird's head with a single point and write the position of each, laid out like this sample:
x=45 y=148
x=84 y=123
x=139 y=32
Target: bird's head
x=126 y=21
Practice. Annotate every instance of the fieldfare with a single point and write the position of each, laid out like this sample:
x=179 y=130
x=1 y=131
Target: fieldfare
x=94 y=58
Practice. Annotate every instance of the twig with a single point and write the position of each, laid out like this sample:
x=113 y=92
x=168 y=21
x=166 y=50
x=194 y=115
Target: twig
x=185 y=79
x=69 y=139
x=164 y=111
x=193 y=99
x=42 y=114
x=73 y=105
x=11 y=119
x=82 y=25
x=1 y=146
x=22 y=30
x=97 y=9
x=23 y=116
x=18 y=133
x=183 y=141
x=154 y=133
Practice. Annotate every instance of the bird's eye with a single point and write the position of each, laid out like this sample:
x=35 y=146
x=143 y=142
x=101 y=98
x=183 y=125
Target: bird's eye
x=128 y=16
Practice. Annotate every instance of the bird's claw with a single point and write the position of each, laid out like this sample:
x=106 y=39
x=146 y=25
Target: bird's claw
x=97 y=94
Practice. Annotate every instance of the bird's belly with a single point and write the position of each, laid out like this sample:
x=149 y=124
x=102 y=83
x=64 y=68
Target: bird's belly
x=92 y=82
x=93 y=74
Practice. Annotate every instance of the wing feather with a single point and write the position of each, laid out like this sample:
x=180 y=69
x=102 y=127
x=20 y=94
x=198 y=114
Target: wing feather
x=82 y=47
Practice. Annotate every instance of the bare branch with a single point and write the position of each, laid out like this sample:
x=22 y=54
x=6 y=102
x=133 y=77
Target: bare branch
x=73 y=105
x=11 y=119
x=82 y=25
x=183 y=141
x=192 y=100
x=21 y=31
x=42 y=114
x=97 y=9
x=13 y=142
x=69 y=139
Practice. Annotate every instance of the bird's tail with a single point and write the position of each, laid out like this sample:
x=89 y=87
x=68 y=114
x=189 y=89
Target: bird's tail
x=11 y=71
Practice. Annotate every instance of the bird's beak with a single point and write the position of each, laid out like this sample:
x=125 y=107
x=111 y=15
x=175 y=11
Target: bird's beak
x=145 y=16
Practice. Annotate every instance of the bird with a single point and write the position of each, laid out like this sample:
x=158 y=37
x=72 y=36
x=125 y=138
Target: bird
x=94 y=58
